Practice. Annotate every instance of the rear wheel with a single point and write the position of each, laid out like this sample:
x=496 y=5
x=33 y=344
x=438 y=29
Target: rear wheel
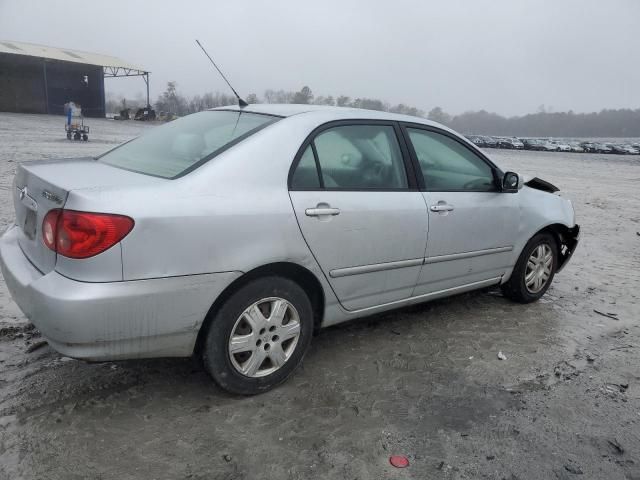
x=259 y=336
x=534 y=270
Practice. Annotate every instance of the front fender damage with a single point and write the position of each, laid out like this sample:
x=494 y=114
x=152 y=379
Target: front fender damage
x=569 y=239
x=540 y=184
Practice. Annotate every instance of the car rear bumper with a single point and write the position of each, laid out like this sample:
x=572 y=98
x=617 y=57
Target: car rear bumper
x=115 y=320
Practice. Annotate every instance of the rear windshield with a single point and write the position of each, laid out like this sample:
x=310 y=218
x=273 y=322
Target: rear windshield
x=178 y=147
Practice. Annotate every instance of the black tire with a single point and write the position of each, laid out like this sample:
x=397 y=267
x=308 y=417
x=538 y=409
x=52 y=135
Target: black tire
x=516 y=288
x=215 y=354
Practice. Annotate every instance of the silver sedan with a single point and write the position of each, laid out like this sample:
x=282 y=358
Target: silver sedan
x=235 y=232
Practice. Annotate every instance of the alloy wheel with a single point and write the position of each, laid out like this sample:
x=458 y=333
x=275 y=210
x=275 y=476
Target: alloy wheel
x=264 y=337
x=539 y=267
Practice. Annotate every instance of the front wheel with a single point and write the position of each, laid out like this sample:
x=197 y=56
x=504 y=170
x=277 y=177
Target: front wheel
x=259 y=336
x=534 y=271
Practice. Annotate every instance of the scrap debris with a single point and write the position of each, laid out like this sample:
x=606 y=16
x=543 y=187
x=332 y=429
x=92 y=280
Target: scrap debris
x=616 y=446
x=576 y=470
x=399 y=461
x=36 y=345
x=613 y=316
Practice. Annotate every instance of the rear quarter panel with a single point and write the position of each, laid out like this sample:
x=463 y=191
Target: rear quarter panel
x=231 y=214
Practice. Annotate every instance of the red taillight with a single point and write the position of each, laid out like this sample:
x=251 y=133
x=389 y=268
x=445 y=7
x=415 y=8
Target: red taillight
x=49 y=227
x=83 y=234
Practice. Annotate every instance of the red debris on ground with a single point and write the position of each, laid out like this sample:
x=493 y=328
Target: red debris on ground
x=399 y=461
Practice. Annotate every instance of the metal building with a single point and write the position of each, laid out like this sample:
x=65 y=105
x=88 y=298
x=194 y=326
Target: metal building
x=41 y=79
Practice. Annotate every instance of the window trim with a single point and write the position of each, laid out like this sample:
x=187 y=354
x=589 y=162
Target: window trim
x=495 y=170
x=412 y=184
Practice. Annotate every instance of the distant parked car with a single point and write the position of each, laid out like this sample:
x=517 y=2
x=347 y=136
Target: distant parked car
x=589 y=147
x=576 y=147
x=510 y=143
x=517 y=144
x=602 y=148
x=490 y=142
x=618 y=149
x=477 y=140
x=631 y=150
x=548 y=146
x=563 y=147
x=532 y=144
x=503 y=143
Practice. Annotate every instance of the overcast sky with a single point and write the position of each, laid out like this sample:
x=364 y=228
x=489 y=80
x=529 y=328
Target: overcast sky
x=506 y=56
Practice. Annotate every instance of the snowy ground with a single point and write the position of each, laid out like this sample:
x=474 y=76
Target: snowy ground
x=423 y=381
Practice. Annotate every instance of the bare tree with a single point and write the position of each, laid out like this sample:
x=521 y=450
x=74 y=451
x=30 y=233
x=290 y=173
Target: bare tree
x=343 y=101
x=304 y=96
x=438 y=115
x=407 y=110
x=278 y=96
x=322 y=100
x=544 y=123
x=370 y=104
x=171 y=101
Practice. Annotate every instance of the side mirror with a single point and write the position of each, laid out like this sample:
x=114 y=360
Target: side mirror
x=510 y=182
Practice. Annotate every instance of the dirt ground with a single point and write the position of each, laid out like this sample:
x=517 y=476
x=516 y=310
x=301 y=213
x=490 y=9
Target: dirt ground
x=424 y=381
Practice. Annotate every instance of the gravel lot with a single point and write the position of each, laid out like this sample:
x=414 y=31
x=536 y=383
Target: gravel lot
x=423 y=381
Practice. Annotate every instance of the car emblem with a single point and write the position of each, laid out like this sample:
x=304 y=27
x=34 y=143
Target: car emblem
x=26 y=199
x=51 y=196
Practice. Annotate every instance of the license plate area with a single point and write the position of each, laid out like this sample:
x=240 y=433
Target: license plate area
x=29 y=226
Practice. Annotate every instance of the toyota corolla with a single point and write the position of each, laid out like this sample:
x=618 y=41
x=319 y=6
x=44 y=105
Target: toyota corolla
x=234 y=233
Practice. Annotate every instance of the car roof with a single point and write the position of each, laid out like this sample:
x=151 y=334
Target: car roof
x=340 y=113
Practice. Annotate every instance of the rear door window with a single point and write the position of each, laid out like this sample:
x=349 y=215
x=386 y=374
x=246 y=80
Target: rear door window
x=305 y=176
x=355 y=157
x=182 y=145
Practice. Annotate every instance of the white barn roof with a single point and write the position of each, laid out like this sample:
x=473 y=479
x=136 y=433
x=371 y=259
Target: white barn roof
x=67 y=55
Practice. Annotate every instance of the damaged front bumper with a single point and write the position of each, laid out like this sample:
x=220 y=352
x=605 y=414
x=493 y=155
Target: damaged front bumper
x=569 y=243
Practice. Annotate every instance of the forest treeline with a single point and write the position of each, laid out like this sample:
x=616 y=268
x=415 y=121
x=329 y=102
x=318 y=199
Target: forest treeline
x=606 y=123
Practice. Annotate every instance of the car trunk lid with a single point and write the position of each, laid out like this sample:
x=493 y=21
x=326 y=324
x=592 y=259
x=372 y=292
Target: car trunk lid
x=41 y=186
x=33 y=197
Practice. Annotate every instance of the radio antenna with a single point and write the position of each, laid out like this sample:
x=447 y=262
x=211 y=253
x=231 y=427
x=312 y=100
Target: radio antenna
x=241 y=102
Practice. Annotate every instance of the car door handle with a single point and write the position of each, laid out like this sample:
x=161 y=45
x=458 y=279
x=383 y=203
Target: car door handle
x=441 y=207
x=320 y=211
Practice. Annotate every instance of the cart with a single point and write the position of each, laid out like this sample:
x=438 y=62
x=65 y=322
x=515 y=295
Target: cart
x=75 y=127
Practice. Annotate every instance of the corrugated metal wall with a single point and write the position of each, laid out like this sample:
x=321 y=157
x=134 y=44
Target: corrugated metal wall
x=22 y=86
